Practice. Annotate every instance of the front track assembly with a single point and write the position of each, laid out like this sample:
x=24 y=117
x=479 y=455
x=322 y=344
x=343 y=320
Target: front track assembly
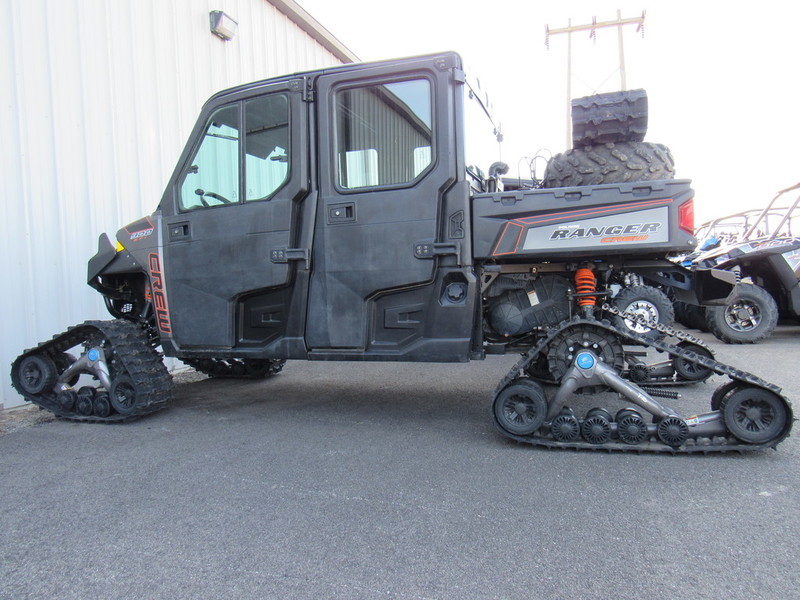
x=117 y=355
x=585 y=355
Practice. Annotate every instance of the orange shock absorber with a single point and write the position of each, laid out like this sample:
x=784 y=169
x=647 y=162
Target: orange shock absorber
x=585 y=282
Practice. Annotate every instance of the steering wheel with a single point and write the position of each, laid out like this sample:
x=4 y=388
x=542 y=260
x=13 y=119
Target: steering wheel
x=216 y=196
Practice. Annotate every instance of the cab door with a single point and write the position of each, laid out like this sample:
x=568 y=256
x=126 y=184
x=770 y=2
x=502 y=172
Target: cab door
x=386 y=159
x=235 y=204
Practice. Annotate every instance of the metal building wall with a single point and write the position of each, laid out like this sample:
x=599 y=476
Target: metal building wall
x=98 y=98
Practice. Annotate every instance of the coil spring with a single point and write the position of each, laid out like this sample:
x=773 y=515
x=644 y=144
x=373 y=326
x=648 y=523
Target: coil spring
x=585 y=282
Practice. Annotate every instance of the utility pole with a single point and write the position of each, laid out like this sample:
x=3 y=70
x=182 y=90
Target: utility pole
x=592 y=28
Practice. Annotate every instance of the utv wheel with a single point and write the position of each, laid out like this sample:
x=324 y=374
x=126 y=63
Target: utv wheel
x=610 y=163
x=644 y=301
x=754 y=415
x=749 y=315
x=520 y=408
x=36 y=374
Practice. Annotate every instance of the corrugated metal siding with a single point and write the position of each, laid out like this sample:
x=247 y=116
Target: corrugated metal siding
x=98 y=98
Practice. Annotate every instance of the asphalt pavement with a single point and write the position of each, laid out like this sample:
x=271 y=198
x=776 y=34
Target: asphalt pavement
x=385 y=480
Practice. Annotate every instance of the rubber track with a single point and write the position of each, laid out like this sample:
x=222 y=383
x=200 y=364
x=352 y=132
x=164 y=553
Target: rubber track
x=131 y=349
x=727 y=444
x=235 y=368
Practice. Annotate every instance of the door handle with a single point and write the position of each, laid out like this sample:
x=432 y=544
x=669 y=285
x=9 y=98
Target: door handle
x=342 y=213
x=179 y=231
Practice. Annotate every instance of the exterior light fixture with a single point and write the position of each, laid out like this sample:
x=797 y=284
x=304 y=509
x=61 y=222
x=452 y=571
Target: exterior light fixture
x=222 y=25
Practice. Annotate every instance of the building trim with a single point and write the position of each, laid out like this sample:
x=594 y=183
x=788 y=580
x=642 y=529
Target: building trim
x=298 y=15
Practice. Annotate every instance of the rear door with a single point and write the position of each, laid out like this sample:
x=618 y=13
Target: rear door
x=236 y=199
x=387 y=156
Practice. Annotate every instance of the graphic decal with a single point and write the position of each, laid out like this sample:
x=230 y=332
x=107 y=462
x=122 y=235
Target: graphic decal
x=612 y=225
x=140 y=230
x=159 y=294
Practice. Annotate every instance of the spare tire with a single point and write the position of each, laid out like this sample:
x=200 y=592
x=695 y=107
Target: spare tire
x=612 y=117
x=610 y=163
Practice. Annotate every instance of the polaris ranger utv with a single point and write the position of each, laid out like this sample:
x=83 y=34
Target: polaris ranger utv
x=338 y=215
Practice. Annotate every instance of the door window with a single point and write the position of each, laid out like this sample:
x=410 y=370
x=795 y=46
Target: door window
x=212 y=178
x=383 y=133
x=266 y=145
x=214 y=173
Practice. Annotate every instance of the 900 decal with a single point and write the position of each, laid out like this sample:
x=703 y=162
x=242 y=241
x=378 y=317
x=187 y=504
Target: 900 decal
x=159 y=294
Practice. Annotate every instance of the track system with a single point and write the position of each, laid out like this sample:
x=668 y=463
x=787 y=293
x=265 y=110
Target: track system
x=116 y=354
x=236 y=368
x=586 y=355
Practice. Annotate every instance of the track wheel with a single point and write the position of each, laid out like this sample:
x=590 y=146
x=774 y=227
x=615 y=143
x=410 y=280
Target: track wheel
x=84 y=404
x=520 y=407
x=122 y=395
x=565 y=427
x=724 y=390
x=596 y=427
x=754 y=415
x=631 y=427
x=66 y=399
x=36 y=373
x=690 y=371
x=102 y=405
x=673 y=431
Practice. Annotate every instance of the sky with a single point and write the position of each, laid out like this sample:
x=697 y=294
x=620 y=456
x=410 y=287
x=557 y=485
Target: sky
x=722 y=78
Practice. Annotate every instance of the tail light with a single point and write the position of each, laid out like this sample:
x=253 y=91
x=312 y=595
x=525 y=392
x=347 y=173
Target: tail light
x=686 y=216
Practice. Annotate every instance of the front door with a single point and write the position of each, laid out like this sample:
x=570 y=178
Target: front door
x=236 y=199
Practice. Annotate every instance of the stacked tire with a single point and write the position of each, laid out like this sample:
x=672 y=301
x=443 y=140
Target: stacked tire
x=607 y=137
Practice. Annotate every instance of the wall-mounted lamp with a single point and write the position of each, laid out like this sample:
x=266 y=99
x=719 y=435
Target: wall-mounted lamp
x=222 y=25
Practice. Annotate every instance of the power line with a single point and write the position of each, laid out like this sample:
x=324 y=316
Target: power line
x=592 y=28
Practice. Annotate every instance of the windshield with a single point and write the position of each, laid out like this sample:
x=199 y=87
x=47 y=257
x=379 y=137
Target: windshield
x=482 y=135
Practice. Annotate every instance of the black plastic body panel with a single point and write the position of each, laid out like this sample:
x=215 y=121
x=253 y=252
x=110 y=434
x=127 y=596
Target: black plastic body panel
x=600 y=221
x=105 y=254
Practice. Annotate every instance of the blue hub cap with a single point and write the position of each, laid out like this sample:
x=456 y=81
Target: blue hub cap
x=93 y=354
x=585 y=360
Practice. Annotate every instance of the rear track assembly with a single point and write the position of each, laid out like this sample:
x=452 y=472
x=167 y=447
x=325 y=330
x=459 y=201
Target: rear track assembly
x=583 y=354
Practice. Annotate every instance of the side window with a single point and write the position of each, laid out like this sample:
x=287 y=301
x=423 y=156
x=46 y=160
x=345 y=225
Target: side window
x=383 y=133
x=266 y=145
x=213 y=177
